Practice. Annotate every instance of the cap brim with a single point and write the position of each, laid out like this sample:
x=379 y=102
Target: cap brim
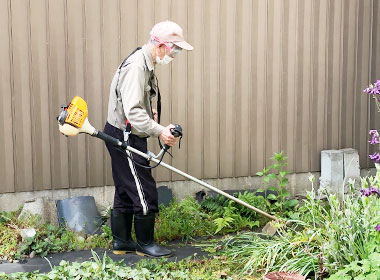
x=184 y=45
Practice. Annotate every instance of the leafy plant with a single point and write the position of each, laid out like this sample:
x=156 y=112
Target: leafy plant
x=48 y=238
x=232 y=219
x=214 y=204
x=106 y=269
x=366 y=269
x=182 y=220
x=275 y=177
x=230 y=216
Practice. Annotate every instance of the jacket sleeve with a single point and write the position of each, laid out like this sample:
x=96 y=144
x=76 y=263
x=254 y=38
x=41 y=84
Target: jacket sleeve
x=132 y=80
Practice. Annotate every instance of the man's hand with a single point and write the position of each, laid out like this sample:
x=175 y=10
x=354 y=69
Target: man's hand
x=167 y=137
x=155 y=115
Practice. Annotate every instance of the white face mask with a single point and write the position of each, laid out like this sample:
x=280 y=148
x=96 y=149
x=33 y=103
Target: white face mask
x=165 y=60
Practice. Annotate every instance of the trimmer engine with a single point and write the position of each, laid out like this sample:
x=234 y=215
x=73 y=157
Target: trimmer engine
x=75 y=113
x=73 y=118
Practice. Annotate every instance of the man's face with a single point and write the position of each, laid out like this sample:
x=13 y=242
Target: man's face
x=161 y=51
x=169 y=49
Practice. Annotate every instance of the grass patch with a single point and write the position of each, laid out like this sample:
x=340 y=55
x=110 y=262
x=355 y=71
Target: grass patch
x=181 y=220
x=106 y=269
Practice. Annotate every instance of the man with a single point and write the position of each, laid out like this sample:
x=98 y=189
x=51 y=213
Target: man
x=132 y=89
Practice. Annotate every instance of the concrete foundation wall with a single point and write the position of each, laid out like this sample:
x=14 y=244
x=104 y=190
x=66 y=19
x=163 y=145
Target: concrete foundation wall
x=299 y=184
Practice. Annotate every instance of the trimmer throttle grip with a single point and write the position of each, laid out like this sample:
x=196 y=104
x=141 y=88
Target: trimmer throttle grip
x=112 y=140
x=176 y=132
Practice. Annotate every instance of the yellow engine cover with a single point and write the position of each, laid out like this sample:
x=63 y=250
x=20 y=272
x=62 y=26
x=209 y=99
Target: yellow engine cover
x=77 y=112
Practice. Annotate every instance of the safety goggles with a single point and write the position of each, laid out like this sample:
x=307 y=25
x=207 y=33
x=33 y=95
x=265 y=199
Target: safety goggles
x=173 y=50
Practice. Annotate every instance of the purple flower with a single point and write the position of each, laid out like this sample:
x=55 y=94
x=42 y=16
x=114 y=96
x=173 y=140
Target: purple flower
x=373 y=88
x=375 y=157
x=371 y=191
x=377 y=227
x=368 y=89
x=366 y=192
x=375 y=191
x=375 y=137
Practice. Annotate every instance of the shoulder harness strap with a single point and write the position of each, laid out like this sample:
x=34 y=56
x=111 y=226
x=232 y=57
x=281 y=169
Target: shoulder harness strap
x=124 y=63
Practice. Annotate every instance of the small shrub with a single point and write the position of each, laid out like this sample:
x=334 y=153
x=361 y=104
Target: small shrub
x=182 y=220
x=366 y=269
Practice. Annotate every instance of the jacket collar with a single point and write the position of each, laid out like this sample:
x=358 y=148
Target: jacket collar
x=148 y=57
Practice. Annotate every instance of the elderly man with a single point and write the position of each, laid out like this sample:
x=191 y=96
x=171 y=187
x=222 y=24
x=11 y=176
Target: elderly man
x=132 y=89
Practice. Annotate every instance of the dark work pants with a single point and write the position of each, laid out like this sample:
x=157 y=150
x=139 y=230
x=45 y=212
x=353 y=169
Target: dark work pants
x=135 y=188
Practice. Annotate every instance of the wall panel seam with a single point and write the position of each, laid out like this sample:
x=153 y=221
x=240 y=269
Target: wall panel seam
x=355 y=70
x=31 y=86
x=104 y=113
x=281 y=77
x=170 y=87
x=369 y=76
x=14 y=136
x=49 y=109
x=341 y=58
x=250 y=96
x=295 y=86
x=218 y=102
x=67 y=81
x=49 y=91
x=265 y=82
x=203 y=91
x=234 y=156
x=311 y=95
x=186 y=89
x=11 y=74
x=325 y=132
x=85 y=62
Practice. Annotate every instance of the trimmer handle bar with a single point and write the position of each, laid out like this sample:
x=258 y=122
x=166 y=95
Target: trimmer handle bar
x=176 y=132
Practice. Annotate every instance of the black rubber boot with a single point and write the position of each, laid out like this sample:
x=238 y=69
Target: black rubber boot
x=121 y=226
x=144 y=229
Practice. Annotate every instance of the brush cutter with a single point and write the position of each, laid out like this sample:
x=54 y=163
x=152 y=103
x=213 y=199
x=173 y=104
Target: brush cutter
x=73 y=120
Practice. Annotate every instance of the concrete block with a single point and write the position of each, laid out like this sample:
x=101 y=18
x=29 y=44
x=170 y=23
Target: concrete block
x=351 y=163
x=332 y=170
x=34 y=207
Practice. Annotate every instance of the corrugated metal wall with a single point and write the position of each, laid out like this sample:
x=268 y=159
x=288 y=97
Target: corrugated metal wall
x=265 y=76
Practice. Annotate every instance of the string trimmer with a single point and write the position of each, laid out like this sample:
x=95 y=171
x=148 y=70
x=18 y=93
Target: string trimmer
x=73 y=120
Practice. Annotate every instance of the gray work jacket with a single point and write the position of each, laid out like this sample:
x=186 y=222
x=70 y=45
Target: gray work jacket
x=133 y=83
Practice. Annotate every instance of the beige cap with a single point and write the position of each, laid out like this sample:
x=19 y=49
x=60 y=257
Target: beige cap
x=170 y=32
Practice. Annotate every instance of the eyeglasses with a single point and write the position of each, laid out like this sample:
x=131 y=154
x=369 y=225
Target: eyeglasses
x=172 y=49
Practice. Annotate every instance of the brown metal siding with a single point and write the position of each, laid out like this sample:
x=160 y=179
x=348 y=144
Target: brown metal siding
x=40 y=96
x=7 y=163
x=265 y=76
x=211 y=89
x=195 y=91
x=375 y=66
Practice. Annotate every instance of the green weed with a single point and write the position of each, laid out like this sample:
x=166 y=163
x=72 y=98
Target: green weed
x=366 y=269
x=182 y=220
x=279 y=201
